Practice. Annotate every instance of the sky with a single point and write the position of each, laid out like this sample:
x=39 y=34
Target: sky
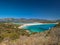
x=41 y=9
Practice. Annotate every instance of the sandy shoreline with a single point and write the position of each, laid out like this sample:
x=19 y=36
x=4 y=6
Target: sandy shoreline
x=29 y=24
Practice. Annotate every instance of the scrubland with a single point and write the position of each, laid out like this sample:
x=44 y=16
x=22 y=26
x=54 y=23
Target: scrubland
x=10 y=34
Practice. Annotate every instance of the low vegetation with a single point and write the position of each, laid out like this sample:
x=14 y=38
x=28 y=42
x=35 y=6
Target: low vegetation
x=58 y=25
x=10 y=31
x=10 y=34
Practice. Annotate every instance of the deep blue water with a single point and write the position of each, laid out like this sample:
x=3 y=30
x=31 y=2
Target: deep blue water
x=39 y=28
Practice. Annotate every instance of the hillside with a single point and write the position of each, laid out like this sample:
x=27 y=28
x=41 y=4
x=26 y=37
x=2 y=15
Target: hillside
x=10 y=34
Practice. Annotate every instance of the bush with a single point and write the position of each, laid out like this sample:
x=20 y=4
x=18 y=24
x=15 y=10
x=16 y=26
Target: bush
x=8 y=31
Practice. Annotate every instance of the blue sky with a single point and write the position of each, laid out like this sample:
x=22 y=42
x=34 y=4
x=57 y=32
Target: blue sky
x=42 y=9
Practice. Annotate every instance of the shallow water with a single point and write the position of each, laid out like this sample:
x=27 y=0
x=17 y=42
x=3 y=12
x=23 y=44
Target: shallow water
x=39 y=28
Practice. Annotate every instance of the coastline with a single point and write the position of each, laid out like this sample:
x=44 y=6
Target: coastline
x=29 y=24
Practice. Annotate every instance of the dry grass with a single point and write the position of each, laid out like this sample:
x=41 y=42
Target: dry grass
x=51 y=37
x=45 y=38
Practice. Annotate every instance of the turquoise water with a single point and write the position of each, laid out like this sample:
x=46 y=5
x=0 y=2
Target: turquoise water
x=39 y=28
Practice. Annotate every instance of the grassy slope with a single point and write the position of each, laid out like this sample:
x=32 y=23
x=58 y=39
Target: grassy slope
x=11 y=35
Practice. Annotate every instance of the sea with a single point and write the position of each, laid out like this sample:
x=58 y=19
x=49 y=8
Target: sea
x=39 y=28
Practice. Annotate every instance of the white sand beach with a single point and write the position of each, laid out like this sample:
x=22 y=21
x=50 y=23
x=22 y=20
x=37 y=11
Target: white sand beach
x=29 y=24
